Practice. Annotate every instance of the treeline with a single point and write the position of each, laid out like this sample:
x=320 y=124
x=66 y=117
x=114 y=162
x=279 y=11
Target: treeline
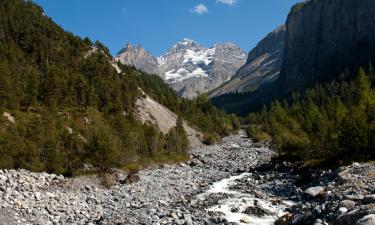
x=329 y=124
x=63 y=142
x=70 y=105
x=199 y=112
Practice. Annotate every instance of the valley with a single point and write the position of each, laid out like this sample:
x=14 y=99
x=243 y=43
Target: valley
x=192 y=135
x=232 y=182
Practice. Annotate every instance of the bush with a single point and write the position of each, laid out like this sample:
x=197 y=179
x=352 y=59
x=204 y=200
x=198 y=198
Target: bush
x=257 y=134
x=210 y=139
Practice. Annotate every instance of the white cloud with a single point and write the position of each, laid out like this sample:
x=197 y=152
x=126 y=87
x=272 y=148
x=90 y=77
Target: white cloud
x=200 y=9
x=227 y=2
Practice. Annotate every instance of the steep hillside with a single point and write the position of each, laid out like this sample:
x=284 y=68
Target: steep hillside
x=263 y=65
x=188 y=67
x=151 y=112
x=65 y=103
x=322 y=40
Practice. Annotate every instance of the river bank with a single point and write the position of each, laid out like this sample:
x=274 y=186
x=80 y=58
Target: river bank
x=232 y=182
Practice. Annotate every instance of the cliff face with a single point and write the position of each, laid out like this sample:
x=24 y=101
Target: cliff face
x=324 y=37
x=139 y=58
x=262 y=66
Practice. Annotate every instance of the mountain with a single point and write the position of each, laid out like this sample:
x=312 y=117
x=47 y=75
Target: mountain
x=322 y=40
x=188 y=67
x=139 y=58
x=263 y=65
x=65 y=103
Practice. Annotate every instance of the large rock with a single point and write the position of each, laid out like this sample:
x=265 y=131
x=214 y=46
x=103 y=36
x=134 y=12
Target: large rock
x=367 y=220
x=284 y=220
x=314 y=191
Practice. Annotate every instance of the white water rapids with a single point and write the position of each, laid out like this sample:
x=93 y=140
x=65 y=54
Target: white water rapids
x=242 y=201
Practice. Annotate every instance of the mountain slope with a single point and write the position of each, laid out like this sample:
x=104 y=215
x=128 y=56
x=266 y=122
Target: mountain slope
x=188 y=67
x=263 y=65
x=151 y=112
x=326 y=37
x=65 y=103
x=139 y=58
x=322 y=40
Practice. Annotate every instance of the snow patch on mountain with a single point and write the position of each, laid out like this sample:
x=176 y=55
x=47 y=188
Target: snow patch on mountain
x=188 y=67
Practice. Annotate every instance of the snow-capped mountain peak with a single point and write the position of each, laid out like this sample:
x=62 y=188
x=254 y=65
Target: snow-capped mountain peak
x=190 y=68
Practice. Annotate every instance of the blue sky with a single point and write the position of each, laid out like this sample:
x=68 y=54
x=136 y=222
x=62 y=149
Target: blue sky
x=159 y=24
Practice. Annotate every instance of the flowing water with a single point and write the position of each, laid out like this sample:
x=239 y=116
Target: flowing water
x=241 y=201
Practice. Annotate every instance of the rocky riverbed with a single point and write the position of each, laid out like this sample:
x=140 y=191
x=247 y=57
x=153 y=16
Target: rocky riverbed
x=233 y=182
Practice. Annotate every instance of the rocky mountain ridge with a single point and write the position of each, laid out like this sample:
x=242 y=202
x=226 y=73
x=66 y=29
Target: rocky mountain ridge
x=323 y=38
x=263 y=65
x=188 y=67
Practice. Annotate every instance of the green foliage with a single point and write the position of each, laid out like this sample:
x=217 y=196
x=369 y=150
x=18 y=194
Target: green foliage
x=199 y=112
x=176 y=139
x=257 y=134
x=72 y=107
x=333 y=122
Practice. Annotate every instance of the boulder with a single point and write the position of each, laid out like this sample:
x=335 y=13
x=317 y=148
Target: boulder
x=349 y=204
x=314 y=191
x=367 y=220
x=256 y=211
x=351 y=217
x=284 y=220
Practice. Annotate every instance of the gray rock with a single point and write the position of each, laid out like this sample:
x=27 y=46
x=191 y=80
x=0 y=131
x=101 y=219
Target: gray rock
x=342 y=211
x=347 y=204
x=367 y=220
x=314 y=191
x=355 y=197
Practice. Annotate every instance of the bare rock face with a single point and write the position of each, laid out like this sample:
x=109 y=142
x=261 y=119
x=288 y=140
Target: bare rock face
x=139 y=58
x=323 y=38
x=262 y=66
x=188 y=67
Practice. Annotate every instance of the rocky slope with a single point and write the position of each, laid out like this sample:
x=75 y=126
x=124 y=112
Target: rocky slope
x=151 y=112
x=139 y=58
x=188 y=67
x=230 y=183
x=323 y=38
x=263 y=65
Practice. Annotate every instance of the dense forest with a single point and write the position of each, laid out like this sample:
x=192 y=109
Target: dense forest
x=70 y=105
x=330 y=124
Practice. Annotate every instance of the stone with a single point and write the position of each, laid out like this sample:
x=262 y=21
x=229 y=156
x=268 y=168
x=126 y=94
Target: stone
x=314 y=191
x=342 y=211
x=355 y=197
x=347 y=204
x=369 y=199
x=284 y=220
x=256 y=211
x=188 y=220
x=367 y=220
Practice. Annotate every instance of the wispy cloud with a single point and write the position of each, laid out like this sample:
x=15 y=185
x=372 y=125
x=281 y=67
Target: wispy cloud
x=227 y=2
x=199 y=9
